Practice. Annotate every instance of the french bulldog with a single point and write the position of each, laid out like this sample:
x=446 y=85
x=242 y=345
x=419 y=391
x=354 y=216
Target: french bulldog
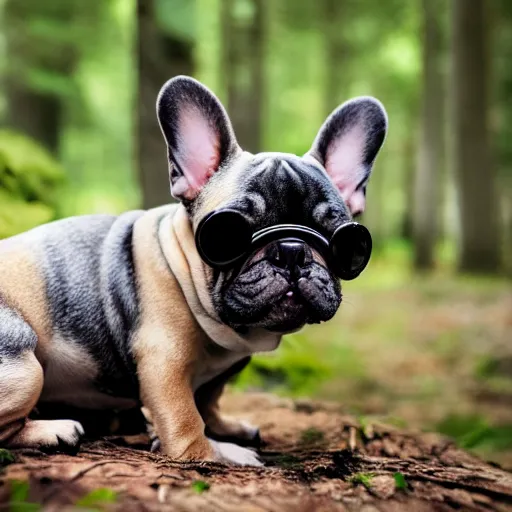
x=157 y=309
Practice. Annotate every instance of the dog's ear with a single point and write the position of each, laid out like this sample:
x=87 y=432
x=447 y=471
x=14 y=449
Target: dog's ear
x=347 y=145
x=198 y=133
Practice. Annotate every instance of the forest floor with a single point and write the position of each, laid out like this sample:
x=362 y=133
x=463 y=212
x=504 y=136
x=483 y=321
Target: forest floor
x=316 y=458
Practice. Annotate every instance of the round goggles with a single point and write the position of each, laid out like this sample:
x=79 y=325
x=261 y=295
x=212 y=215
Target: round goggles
x=225 y=237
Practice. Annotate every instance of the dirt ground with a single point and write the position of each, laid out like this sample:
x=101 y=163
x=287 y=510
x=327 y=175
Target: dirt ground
x=316 y=458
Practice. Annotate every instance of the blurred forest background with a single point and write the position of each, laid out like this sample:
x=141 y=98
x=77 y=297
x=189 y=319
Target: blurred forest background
x=424 y=336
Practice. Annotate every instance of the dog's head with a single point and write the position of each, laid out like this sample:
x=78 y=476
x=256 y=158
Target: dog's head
x=281 y=282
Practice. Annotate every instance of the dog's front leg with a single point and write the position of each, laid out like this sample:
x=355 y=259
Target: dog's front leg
x=218 y=425
x=166 y=393
x=165 y=371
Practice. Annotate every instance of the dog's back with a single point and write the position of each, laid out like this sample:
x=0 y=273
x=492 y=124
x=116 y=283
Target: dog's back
x=68 y=291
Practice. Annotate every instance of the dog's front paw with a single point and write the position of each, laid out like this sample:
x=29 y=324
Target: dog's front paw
x=233 y=454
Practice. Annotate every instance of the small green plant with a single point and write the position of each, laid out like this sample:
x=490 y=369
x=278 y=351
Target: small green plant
x=362 y=478
x=19 y=497
x=200 y=486
x=400 y=482
x=98 y=498
x=312 y=436
x=6 y=457
x=366 y=426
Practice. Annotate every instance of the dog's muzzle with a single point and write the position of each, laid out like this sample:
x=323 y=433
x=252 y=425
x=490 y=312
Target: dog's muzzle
x=225 y=236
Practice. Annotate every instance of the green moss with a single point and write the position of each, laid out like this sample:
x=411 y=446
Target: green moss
x=362 y=478
x=18 y=499
x=200 y=486
x=98 y=498
x=400 y=482
x=296 y=369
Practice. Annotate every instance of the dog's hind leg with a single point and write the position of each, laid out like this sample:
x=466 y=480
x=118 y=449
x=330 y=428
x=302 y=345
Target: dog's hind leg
x=21 y=383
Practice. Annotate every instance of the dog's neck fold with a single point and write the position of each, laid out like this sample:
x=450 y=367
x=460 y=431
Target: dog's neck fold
x=178 y=246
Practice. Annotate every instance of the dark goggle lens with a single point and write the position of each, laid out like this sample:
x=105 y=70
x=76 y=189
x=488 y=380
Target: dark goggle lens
x=223 y=237
x=351 y=248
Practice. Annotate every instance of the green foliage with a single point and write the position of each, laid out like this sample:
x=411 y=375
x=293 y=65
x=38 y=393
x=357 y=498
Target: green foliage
x=26 y=169
x=200 y=486
x=6 y=457
x=400 y=482
x=29 y=178
x=46 y=39
x=19 y=491
x=81 y=53
x=362 y=478
x=98 y=145
x=177 y=17
x=475 y=432
x=98 y=498
x=296 y=368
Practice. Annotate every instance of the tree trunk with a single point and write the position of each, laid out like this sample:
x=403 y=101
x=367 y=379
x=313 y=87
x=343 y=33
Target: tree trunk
x=33 y=112
x=408 y=159
x=37 y=115
x=473 y=164
x=428 y=176
x=161 y=56
x=243 y=52
x=502 y=56
x=336 y=54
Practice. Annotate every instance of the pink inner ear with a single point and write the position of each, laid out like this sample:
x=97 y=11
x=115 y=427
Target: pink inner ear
x=198 y=151
x=356 y=202
x=344 y=164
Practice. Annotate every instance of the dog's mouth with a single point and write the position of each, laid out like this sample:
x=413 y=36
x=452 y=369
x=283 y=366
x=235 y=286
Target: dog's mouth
x=289 y=314
x=261 y=295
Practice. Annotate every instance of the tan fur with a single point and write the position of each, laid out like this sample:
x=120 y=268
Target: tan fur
x=178 y=328
x=22 y=287
x=225 y=189
x=166 y=348
x=177 y=242
x=21 y=382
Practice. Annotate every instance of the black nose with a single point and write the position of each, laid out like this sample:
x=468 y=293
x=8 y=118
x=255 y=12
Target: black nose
x=288 y=255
